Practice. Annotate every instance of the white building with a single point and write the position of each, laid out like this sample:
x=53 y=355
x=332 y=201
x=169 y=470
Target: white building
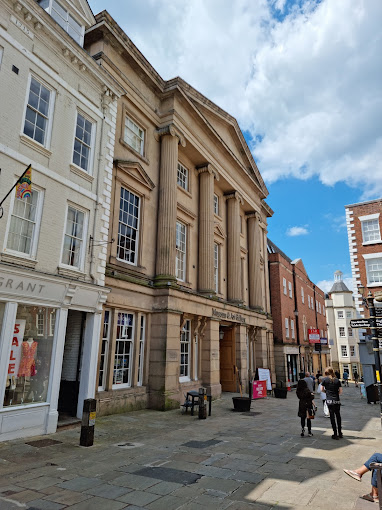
x=58 y=114
x=343 y=340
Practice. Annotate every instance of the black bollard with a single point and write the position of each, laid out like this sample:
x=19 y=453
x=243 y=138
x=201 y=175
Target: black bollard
x=202 y=403
x=88 y=422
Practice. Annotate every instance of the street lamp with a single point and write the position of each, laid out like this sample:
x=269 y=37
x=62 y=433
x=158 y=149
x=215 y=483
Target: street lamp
x=369 y=302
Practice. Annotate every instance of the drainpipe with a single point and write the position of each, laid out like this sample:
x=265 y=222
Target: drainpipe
x=315 y=313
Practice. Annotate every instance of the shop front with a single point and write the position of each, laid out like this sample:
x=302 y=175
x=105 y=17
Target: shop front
x=48 y=326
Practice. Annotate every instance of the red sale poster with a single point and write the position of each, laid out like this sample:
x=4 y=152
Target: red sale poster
x=259 y=389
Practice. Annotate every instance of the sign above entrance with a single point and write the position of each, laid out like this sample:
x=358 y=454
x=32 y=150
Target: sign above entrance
x=314 y=336
x=230 y=316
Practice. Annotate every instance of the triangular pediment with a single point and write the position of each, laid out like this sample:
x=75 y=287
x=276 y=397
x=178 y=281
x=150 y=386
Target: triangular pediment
x=82 y=10
x=218 y=230
x=135 y=170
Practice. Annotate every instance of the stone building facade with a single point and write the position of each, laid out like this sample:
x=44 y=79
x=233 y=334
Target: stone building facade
x=297 y=306
x=58 y=114
x=343 y=340
x=187 y=263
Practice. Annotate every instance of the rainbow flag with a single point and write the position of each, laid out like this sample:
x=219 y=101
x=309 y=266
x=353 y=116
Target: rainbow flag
x=24 y=185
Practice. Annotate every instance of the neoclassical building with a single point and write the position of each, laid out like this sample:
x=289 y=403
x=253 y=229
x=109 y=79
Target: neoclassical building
x=187 y=261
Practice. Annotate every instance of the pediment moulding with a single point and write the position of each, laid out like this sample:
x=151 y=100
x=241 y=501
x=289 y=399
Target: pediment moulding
x=207 y=167
x=172 y=130
x=135 y=170
x=234 y=194
x=27 y=15
x=218 y=230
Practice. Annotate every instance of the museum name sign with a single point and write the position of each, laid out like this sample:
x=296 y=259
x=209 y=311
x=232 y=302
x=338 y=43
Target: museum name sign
x=230 y=316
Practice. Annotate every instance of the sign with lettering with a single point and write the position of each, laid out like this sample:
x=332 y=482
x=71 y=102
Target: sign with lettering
x=323 y=341
x=259 y=389
x=17 y=340
x=265 y=375
x=365 y=323
x=14 y=285
x=314 y=336
x=22 y=27
x=230 y=316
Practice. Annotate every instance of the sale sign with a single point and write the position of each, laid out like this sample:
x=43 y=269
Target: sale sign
x=259 y=389
x=17 y=340
x=314 y=336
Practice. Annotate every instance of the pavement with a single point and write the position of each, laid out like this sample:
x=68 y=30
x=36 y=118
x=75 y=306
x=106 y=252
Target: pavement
x=169 y=460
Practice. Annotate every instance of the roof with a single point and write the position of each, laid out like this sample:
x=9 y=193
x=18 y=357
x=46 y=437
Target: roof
x=272 y=248
x=339 y=287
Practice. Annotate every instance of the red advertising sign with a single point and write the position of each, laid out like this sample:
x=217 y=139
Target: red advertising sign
x=314 y=336
x=259 y=389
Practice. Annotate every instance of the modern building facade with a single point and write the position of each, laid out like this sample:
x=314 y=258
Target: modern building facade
x=297 y=306
x=343 y=339
x=187 y=260
x=58 y=114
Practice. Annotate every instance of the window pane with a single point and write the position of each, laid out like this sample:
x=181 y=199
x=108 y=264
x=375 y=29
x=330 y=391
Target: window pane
x=134 y=135
x=128 y=229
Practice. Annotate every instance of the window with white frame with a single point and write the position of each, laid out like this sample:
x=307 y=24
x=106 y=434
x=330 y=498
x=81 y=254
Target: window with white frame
x=82 y=150
x=302 y=295
x=286 y=327
x=141 y=354
x=128 y=227
x=323 y=309
x=24 y=224
x=292 y=327
x=284 y=286
x=374 y=270
x=216 y=267
x=104 y=350
x=342 y=331
x=350 y=331
x=370 y=230
x=72 y=253
x=64 y=19
x=134 y=135
x=290 y=289
x=40 y=321
x=123 y=361
x=216 y=204
x=349 y=314
x=321 y=333
x=340 y=314
x=352 y=350
x=181 y=250
x=38 y=112
x=305 y=327
x=308 y=301
x=52 y=323
x=344 y=351
x=185 y=351
x=319 y=307
x=182 y=176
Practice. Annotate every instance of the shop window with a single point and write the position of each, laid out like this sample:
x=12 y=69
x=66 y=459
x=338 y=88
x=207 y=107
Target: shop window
x=344 y=351
x=27 y=380
x=83 y=141
x=134 y=135
x=216 y=267
x=128 y=229
x=182 y=176
x=104 y=350
x=64 y=19
x=216 y=204
x=52 y=323
x=185 y=352
x=181 y=247
x=123 y=350
x=38 y=114
x=141 y=355
x=24 y=225
x=73 y=249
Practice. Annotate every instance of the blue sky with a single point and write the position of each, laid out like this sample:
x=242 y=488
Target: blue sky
x=303 y=79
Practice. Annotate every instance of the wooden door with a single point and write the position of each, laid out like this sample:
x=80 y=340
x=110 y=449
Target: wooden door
x=227 y=361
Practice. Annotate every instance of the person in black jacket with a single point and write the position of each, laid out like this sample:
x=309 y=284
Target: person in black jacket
x=331 y=385
x=305 y=406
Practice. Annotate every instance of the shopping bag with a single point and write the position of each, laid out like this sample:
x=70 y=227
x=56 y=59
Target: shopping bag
x=326 y=409
x=310 y=414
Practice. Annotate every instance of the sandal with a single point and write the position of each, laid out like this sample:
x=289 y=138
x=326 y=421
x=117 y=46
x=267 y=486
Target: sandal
x=353 y=474
x=370 y=497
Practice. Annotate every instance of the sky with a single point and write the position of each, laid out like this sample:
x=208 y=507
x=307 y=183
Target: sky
x=303 y=79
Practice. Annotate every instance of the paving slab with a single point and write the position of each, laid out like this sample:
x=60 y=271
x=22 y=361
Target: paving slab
x=164 y=488
x=98 y=504
x=67 y=497
x=139 y=498
x=108 y=491
x=80 y=484
x=41 y=504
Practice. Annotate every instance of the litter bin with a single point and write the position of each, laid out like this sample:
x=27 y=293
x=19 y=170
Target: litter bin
x=372 y=394
x=362 y=390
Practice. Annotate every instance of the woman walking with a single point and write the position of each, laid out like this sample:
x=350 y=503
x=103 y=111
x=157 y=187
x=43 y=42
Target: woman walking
x=305 y=406
x=331 y=385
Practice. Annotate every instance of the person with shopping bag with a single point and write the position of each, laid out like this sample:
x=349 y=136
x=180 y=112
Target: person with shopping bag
x=323 y=396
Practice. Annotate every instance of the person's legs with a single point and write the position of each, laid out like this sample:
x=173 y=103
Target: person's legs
x=309 y=423
x=333 y=421
x=302 y=425
x=338 y=418
x=359 y=472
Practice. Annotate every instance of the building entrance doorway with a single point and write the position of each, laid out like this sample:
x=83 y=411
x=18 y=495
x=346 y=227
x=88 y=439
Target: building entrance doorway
x=71 y=365
x=227 y=359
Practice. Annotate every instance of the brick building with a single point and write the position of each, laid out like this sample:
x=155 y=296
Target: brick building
x=297 y=305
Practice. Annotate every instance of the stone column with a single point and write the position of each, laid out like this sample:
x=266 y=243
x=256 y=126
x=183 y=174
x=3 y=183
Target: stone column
x=166 y=235
x=206 y=229
x=241 y=354
x=210 y=358
x=234 y=292
x=254 y=269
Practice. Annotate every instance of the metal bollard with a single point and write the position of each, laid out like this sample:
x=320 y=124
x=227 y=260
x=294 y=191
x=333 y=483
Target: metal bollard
x=88 y=422
x=202 y=403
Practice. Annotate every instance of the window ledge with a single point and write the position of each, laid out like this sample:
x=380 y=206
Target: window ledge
x=378 y=284
x=71 y=272
x=186 y=192
x=139 y=155
x=82 y=173
x=18 y=259
x=367 y=243
x=35 y=145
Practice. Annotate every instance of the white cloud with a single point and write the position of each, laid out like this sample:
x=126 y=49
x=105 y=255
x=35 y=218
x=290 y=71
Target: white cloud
x=297 y=231
x=326 y=285
x=306 y=86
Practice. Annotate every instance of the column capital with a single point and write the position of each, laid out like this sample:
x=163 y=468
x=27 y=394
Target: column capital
x=172 y=130
x=253 y=214
x=234 y=194
x=207 y=167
